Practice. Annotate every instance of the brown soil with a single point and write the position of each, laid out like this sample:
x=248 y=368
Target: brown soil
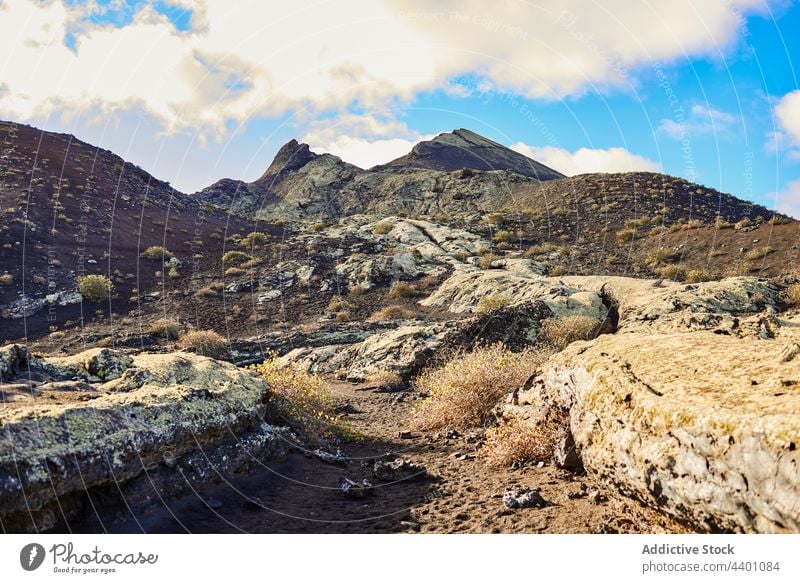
x=300 y=494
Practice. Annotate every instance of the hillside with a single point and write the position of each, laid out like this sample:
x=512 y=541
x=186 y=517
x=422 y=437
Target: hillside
x=71 y=209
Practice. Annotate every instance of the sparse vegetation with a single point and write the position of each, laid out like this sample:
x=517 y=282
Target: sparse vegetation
x=758 y=253
x=504 y=236
x=156 y=253
x=391 y=313
x=662 y=255
x=205 y=342
x=382 y=228
x=95 y=288
x=516 y=441
x=402 y=289
x=165 y=328
x=560 y=332
x=791 y=295
x=492 y=302
x=254 y=240
x=673 y=272
x=461 y=393
x=301 y=401
x=235 y=257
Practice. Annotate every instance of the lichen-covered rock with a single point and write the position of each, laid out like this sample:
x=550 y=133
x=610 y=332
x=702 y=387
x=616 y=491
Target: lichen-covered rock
x=703 y=426
x=519 y=282
x=13 y=359
x=665 y=306
x=95 y=364
x=158 y=412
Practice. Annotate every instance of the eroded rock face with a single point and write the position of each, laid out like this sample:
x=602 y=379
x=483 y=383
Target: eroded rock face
x=702 y=426
x=151 y=418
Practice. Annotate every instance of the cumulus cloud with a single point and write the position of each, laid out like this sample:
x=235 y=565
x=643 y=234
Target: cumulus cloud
x=788 y=201
x=787 y=113
x=364 y=140
x=702 y=119
x=245 y=59
x=585 y=160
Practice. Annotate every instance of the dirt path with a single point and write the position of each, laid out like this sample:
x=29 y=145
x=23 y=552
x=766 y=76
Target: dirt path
x=301 y=494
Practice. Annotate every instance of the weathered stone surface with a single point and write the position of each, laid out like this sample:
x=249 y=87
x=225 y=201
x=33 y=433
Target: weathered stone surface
x=95 y=364
x=152 y=418
x=402 y=350
x=664 y=306
x=703 y=426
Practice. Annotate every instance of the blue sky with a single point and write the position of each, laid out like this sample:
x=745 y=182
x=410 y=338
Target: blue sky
x=198 y=91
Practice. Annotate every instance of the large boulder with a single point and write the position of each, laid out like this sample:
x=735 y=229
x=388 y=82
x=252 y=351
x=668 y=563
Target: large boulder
x=705 y=427
x=179 y=419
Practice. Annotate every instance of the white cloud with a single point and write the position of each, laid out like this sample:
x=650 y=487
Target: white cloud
x=244 y=59
x=787 y=112
x=788 y=201
x=702 y=119
x=587 y=160
x=364 y=140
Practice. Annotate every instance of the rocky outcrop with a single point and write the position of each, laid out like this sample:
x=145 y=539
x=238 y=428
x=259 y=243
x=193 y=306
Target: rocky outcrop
x=702 y=426
x=167 y=422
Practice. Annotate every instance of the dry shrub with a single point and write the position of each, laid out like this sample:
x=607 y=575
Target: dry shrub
x=791 y=295
x=301 y=400
x=169 y=329
x=697 y=276
x=673 y=272
x=206 y=292
x=557 y=271
x=504 y=236
x=662 y=255
x=253 y=240
x=391 y=313
x=402 y=289
x=487 y=260
x=206 y=343
x=758 y=253
x=745 y=222
x=517 y=441
x=561 y=332
x=626 y=235
x=492 y=302
x=6 y=279
x=233 y=272
x=462 y=392
x=338 y=303
x=383 y=228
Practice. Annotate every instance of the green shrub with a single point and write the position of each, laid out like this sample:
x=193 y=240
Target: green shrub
x=156 y=253
x=254 y=239
x=95 y=288
x=235 y=257
x=492 y=302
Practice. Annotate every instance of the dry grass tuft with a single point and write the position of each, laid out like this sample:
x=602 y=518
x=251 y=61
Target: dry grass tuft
x=402 y=289
x=391 y=313
x=206 y=343
x=169 y=329
x=791 y=295
x=561 y=332
x=462 y=392
x=517 y=441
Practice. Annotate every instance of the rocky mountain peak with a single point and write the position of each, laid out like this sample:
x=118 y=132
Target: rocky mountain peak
x=292 y=156
x=463 y=148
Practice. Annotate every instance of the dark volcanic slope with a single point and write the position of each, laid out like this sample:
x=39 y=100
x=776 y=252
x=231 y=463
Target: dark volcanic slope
x=465 y=149
x=69 y=208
